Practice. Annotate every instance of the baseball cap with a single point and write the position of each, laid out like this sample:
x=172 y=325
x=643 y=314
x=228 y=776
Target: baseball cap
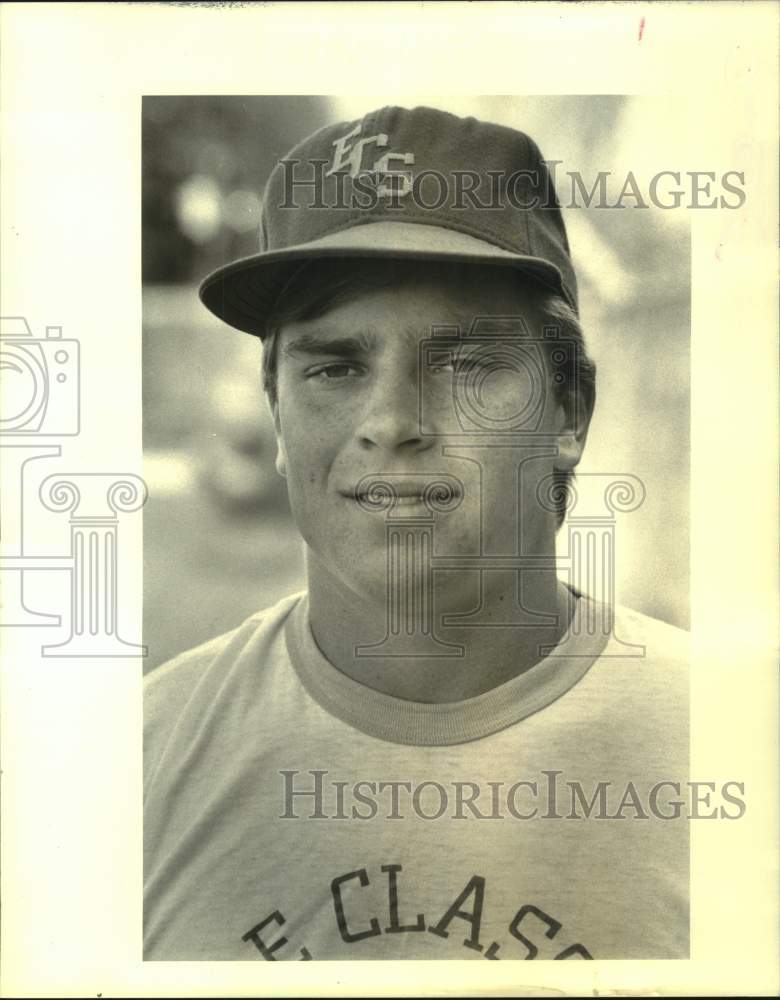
x=402 y=184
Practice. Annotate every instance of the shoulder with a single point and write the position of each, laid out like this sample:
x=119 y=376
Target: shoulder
x=661 y=640
x=643 y=664
x=173 y=681
x=645 y=669
x=171 y=687
x=168 y=687
x=637 y=690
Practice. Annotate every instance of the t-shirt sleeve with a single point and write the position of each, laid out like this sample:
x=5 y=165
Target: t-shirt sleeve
x=166 y=693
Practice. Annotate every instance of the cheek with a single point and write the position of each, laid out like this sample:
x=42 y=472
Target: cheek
x=313 y=431
x=504 y=400
x=308 y=448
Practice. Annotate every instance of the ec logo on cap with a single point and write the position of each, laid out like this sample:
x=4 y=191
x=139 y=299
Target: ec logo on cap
x=349 y=158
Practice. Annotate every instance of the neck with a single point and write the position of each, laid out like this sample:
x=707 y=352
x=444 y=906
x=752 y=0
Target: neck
x=454 y=660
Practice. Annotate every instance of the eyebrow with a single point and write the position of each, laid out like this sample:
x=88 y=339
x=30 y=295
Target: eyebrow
x=309 y=344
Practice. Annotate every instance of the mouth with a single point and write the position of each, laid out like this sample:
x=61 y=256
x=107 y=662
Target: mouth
x=399 y=500
x=374 y=493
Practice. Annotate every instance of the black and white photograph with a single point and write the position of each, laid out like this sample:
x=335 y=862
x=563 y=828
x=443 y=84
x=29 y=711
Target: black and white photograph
x=389 y=552
x=497 y=742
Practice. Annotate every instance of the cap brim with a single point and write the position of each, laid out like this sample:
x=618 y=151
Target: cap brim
x=244 y=292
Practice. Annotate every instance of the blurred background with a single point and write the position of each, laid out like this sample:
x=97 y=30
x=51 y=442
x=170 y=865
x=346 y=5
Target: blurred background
x=219 y=542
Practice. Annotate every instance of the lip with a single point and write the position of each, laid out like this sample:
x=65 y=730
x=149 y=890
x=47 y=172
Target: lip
x=401 y=503
x=406 y=495
x=415 y=496
x=408 y=499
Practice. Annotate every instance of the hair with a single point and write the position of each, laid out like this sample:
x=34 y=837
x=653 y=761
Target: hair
x=315 y=287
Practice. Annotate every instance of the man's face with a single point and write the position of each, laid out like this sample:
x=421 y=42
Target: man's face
x=359 y=395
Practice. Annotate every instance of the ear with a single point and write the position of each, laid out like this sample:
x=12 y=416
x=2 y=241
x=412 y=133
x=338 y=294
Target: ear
x=281 y=461
x=281 y=454
x=574 y=410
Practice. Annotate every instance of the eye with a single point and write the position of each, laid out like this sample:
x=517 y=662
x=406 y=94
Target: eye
x=333 y=372
x=442 y=363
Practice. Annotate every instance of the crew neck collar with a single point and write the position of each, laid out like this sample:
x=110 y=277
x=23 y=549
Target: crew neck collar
x=397 y=720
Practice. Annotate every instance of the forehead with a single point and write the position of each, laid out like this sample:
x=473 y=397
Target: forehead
x=408 y=296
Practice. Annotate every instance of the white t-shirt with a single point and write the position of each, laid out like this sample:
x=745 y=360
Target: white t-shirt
x=293 y=813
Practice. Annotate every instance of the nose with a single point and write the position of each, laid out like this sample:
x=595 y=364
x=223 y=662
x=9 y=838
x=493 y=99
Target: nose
x=391 y=418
